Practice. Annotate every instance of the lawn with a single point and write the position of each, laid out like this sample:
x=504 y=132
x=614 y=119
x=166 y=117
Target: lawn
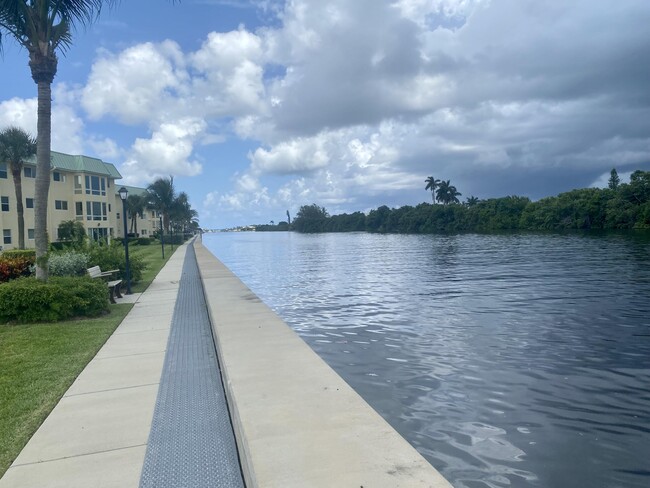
x=39 y=362
x=152 y=255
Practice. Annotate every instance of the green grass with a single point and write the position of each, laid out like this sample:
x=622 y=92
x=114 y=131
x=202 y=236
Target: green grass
x=152 y=256
x=39 y=362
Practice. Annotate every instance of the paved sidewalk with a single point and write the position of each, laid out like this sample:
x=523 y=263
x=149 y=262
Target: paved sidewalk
x=97 y=434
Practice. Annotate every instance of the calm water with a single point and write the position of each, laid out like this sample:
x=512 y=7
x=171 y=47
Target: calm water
x=516 y=360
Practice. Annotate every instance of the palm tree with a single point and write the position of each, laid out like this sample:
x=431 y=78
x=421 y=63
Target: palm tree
x=16 y=146
x=44 y=27
x=471 y=201
x=182 y=212
x=447 y=193
x=161 y=197
x=136 y=205
x=432 y=184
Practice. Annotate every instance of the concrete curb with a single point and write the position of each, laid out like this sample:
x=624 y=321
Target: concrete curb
x=296 y=421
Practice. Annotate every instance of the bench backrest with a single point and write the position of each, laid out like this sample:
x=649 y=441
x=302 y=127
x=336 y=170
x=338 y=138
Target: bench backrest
x=94 y=272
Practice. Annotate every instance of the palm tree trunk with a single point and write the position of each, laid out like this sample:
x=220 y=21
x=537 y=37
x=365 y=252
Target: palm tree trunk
x=20 y=210
x=43 y=139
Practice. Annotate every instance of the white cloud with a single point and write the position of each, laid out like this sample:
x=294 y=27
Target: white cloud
x=67 y=126
x=167 y=152
x=138 y=85
x=229 y=74
x=293 y=156
x=19 y=112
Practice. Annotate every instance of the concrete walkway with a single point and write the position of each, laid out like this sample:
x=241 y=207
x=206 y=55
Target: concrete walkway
x=97 y=434
x=297 y=423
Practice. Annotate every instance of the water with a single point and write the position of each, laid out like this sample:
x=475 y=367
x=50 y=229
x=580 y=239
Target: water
x=506 y=360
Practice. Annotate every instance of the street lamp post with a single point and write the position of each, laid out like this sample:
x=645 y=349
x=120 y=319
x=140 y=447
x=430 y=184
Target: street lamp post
x=123 y=192
x=162 y=241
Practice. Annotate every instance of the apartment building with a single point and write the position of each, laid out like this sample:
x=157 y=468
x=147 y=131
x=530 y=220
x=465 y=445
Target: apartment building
x=81 y=188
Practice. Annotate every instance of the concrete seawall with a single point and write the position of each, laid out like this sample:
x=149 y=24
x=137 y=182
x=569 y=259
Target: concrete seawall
x=297 y=423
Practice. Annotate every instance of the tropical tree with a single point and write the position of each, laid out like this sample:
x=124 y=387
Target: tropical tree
x=17 y=146
x=432 y=184
x=44 y=27
x=614 y=180
x=311 y=218
x=136 y=205
x=447 y=193
x=471 y=201
x=161 y=196
x=181 y=212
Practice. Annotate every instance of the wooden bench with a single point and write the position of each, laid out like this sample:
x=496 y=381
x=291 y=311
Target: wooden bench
x=113 y=285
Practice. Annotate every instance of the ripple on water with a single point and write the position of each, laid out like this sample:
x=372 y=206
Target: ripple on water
x=507 y=361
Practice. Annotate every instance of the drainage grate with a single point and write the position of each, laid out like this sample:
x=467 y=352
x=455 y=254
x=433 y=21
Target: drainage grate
x=191 y=443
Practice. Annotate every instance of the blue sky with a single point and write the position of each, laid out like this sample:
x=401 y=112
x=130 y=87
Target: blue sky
x=259 y=107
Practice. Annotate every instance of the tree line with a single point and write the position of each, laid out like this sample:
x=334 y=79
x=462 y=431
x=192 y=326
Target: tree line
x=620 y=206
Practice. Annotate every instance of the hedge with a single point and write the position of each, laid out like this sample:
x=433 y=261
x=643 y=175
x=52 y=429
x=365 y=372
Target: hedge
x=31 y=300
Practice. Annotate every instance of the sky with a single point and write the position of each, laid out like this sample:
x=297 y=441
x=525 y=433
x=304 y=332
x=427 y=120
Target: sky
x=258 y=107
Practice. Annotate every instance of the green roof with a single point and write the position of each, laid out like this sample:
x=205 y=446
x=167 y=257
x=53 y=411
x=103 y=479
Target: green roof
x=133 y=190
x=81 y=164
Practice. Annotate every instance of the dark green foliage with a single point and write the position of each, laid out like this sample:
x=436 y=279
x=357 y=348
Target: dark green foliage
x=109 y=257
x=91 y=294
x=627 y=207
x=29 y=300
x=72 y=232
x=614 y=180
x=310 y=218
x=280 y=227
x=144 y=241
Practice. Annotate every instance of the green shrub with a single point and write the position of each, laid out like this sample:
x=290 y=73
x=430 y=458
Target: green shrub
x=144 y=241
x=20 y=253
x=92 y=294
x=71 y=263
x=31 y=300
x=112 y=256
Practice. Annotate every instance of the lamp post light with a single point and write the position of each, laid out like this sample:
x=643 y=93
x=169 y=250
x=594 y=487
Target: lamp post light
x=123 y=192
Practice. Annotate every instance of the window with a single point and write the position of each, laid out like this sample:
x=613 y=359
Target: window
x=29 y=203
x=94 y=211
x=118 y=215
x=30 y=234
x=4 y=201
x=144 y=232
x=57 y=176
x=3 y=170
x=95 y=185
x=79 y=210
x=60 y=205
x=29 y=172
x=6 y=234
x=109 y=207
x=77 y=184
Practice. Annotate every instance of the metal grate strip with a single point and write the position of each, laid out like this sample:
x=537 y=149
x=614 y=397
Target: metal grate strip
x=191 y=443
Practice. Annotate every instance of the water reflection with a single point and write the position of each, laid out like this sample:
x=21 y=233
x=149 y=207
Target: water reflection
x=507 y=360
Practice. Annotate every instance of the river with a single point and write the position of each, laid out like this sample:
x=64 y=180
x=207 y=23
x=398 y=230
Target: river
x=506 y=360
